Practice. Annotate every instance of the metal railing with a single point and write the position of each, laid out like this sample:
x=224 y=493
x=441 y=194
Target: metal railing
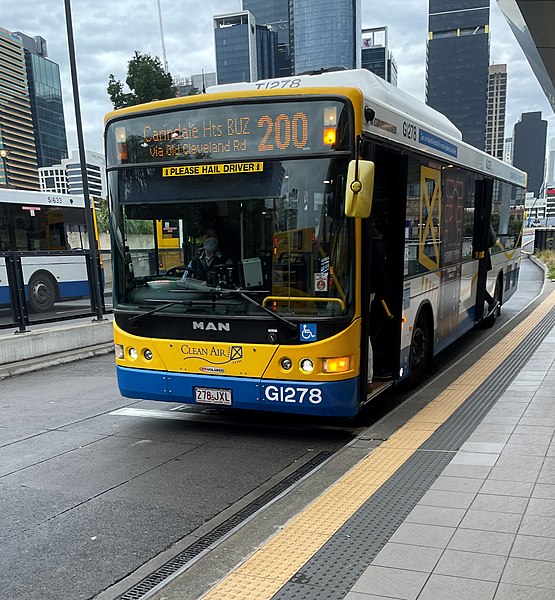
x=46 y=287
x=544 y=239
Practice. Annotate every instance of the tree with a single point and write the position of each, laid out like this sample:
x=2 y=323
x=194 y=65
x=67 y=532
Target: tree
x=102 y=215
x=146 y=79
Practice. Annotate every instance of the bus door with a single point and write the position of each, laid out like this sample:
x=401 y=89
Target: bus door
x=482 y=217
x=382 y=236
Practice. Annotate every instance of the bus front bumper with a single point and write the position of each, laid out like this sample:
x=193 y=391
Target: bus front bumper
x=329 y=398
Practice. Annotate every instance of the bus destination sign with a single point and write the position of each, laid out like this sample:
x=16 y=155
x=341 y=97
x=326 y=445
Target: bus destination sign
x=249 y=130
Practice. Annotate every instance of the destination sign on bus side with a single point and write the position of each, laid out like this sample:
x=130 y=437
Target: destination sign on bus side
x=217 y=169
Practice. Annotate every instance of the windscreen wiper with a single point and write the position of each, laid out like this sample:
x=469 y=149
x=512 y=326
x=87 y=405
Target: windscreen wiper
x=240 y=292
x=141 y=316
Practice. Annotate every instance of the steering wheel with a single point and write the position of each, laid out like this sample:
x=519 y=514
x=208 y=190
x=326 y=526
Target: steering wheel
x=176 y=271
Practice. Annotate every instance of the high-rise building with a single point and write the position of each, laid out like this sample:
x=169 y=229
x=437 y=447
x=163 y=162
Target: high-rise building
x=550 y=175
x=497 y=103
x=376 y=56
x=529 y=137
x=508 y=151
x=66 y=178
x=274 y=14
x=45 y=93
x=457 y=64
x=325 y=34
x=235 y=37
x=266 y=52
x=16 y=121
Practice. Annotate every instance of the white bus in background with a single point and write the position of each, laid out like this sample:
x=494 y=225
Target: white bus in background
x=45 y=227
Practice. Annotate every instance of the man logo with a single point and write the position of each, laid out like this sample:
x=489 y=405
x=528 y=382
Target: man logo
x=210 y=326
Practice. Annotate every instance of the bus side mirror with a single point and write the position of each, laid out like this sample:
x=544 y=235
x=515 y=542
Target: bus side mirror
x=359 y=191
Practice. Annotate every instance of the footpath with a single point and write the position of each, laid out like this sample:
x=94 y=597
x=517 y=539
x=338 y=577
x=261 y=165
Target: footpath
x=53 y=344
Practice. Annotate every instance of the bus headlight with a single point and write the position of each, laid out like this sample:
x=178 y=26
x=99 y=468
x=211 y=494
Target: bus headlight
x=306 y=365
x=147 y=354
x=336 y=365
x=133 y=354
x=119 y=350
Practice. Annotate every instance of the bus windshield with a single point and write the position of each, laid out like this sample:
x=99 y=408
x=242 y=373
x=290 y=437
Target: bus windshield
x=283 y=239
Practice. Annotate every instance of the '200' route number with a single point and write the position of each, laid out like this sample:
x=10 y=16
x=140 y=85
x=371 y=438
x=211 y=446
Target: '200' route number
x=296 y=395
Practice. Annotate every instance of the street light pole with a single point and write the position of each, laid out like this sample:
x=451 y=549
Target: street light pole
x=96 y=291
x=4 y=155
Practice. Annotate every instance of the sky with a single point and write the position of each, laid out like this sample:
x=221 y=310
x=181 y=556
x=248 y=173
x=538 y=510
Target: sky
x=107 y=33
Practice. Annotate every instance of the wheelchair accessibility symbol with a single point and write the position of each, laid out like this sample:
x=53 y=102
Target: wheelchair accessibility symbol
x=308 y=332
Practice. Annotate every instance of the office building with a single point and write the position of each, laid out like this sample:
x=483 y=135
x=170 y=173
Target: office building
x=235 y=37
x=550 y=175
x=194 y=84
x=45 y=94
x=529 y=137
x=17 y=134
x=184 y=87
x=457 y=64
x=274 y=14
x=497 y=103
x=245 y=51
x=65 y=178
x=375 y=54
x=53 y=179
x=325 y=34
x=536 y=209
x=508 y=151
x=266 y=52
x=202 y=81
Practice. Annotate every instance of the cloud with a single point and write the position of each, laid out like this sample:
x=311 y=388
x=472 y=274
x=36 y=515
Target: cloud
x=107 y=33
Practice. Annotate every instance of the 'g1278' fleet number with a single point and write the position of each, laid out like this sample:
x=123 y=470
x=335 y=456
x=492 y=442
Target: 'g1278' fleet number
x=295 y=395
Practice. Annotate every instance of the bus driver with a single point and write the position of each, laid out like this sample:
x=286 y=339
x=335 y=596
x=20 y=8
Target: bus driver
x=203 y=266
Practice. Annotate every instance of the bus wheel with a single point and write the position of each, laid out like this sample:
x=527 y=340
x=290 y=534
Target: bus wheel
x=497 y=295
x=42 y=292
x=420 y=351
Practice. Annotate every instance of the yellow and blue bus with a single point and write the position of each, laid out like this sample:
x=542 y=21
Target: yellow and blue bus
x=355 y=223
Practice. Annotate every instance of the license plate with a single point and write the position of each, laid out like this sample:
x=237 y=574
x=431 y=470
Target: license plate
x=212 y=396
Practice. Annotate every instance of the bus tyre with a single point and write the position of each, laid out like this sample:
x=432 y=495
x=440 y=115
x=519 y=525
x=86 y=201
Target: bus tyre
x=420 y=351
x=490 y=321
x=42 y=292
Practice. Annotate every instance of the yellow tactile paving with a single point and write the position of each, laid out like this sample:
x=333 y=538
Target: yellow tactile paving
x=419 y=426
x=410 y=440
x=273 y=565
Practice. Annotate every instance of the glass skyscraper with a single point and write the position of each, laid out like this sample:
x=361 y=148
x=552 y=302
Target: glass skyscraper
x=529 y=139
x=45 y=94
x=235 y=37
x=274 y=13
x=245 y=50
x=376 y=56
x=325 y=34
x=457 y=65
x=266 y=52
